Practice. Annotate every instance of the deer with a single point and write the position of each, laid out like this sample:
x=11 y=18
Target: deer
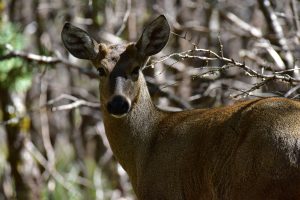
x=247 y=150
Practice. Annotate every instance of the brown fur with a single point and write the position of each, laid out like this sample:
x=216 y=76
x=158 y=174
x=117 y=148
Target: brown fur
x=249 y=150
x=244 y=151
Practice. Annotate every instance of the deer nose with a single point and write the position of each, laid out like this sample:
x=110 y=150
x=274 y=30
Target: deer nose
x=118 y=106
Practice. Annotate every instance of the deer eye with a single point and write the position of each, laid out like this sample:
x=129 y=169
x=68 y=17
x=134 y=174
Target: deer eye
x=135 y=71
x=101 y=71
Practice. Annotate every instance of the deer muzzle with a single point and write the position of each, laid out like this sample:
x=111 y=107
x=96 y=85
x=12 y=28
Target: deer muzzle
x=118 y=106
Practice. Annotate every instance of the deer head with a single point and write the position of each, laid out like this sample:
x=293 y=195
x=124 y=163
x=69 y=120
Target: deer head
x=119 y=66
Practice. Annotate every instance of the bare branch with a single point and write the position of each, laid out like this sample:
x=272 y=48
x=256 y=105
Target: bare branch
x=45 y=124
x=125 y=19
x=255 y=87
x=276 y=28
x=214 y=56
x=49 y=60
x=253 y=31
x=31 y=148
x=77 y=102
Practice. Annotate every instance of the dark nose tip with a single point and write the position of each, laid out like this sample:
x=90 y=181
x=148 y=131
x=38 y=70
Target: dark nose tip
x=119 y=105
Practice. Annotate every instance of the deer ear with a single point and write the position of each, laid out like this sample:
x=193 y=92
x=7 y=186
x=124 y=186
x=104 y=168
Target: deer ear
x=155 y=36
x=78 y=42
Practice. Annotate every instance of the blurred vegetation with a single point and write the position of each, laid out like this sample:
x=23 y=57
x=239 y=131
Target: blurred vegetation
x=14 y=73
x=53 y=148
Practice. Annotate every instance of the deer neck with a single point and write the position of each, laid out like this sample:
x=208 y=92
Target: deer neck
x=131 y=136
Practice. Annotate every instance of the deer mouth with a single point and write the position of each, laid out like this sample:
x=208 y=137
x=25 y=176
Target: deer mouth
x=118 y=116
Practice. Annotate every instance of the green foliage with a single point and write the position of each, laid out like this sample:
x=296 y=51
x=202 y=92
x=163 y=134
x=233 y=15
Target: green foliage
x=15 y=74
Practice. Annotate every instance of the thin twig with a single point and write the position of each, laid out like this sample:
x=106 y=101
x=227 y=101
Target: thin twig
x=250 y=72
x=125 y=18
x=32 y=149
x=45 y=123
x=255 y=87
x=275 y=26
x=49 y=60
x=294 y=7
x=253 y=31
x=77 y=102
